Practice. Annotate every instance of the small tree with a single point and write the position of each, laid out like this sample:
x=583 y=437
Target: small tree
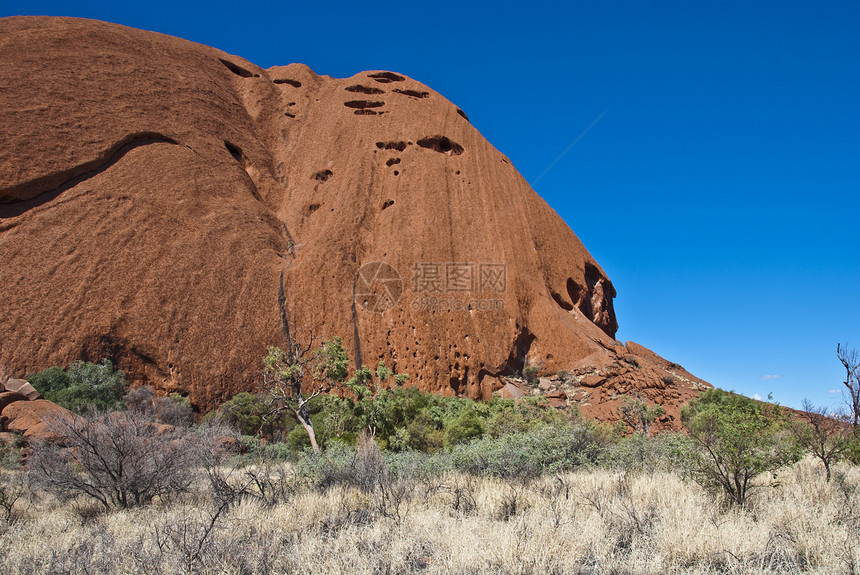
x=820 y=435
x=738 y=439
x=372 y=401
x=638 y=415
x=850 y=360
x=295 y=376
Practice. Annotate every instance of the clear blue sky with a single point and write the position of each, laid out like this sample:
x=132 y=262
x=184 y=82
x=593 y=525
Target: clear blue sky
x=720 y=190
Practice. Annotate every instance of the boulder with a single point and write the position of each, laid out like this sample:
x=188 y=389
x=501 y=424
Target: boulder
x=33 y=419
x=23 y=387
x=7 y=397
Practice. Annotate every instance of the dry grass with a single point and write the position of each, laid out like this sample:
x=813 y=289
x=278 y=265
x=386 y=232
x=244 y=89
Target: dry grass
x=584 y=522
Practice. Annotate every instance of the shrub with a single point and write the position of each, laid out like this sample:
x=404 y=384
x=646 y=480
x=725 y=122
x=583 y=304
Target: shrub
x=174 y=409
x=10 y=454
x=510 y=416
x=11 y=489
x=821 y=435
x=545 y=449
x=119 y=459
x=466 y=426
x=530 y=373
x=328 y=468
x=253 y=415
x=852 y=449
x=369 y=470
x=640 y=453
x=84 y=386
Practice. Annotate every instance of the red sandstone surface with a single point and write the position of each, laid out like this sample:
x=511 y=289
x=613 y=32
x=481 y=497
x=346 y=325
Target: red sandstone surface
x=155 y=194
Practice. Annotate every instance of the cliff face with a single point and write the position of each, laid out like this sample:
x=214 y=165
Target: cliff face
x=155 y=194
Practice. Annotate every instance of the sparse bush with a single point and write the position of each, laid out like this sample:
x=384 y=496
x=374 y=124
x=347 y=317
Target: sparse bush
x=643 y=454
x=822 y=436
x=175 y=410
x=118 y=459
x=141 y=400
x=530 y=374
x=11 y=489
x=84 y=386
x=368 y=471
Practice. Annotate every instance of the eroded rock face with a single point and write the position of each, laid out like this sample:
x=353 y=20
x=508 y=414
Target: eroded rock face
x=153 y=193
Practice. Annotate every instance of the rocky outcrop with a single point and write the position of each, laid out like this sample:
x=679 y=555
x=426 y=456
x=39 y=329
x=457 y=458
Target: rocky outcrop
x=24 y=413
x=598 y=391
x=165 y=204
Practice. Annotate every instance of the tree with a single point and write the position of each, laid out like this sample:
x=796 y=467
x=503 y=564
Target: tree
x=820 y=435
x=850 y=360
x=638 y=415
x=295 y=376
x=738 y=439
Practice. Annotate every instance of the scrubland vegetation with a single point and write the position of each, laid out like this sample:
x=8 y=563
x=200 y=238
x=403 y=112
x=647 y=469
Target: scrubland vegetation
x=363 y=511
x=408 y=482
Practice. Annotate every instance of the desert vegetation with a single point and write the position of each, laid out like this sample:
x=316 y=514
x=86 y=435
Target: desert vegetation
x=362 y=510
x=401 y=481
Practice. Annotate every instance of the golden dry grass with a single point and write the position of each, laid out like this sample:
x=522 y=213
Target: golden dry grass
x=582 y=522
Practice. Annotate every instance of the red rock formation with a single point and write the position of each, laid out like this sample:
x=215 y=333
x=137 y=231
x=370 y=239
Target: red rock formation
x=153 y=193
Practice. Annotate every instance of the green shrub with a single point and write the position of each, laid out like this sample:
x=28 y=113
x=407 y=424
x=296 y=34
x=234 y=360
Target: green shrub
x=466 y=426
x=737 y=439
x=544 y=449
x=253 y=415
x=328 y=468
x=852 y=450
x=510 y=416
x=639 y=453
x=279 y=451
x=84 y=386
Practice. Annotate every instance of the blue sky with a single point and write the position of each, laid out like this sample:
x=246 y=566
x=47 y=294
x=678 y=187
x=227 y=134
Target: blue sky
x=719 y=188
